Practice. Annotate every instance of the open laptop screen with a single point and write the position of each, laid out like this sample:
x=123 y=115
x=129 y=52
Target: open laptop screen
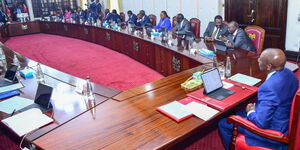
x=211 y=80
x=43 y=95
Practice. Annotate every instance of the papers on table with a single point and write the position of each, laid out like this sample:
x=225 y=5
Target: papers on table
x=227 y=85
x=174 y=111
x=245 y=79
x=11 y=87
x=14 y=103
x=27 y=121
x=202 y=111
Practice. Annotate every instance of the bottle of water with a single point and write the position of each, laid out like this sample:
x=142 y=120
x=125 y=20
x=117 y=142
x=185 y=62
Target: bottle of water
x=144 y=31
x=39 y=74
x=16 y=61
x=89 y=91
x=3 y=60
x=215 y=61
x=228 y=67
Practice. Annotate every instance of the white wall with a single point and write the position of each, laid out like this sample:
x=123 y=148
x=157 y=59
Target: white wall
x=205 y=10
x=292 y=42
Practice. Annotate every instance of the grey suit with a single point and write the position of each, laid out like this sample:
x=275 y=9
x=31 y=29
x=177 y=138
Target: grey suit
x=210 y=30
x=185 y=28
x=241 y=40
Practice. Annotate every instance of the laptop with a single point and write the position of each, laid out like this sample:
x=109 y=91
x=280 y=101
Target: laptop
x=10 y=76
x=42 y=99
x=213 y=85
x=220 y=45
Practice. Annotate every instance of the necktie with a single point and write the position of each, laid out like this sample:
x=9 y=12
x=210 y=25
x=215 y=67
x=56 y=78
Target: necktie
x=215 y=33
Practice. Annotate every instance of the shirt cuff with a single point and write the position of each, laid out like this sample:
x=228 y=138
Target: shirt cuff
x=249 y=112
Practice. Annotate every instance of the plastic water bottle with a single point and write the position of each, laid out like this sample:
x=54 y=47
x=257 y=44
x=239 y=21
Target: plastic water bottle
x=39 y=74
x=89 y=91
x=3 y=60
x=144 y=31
x=16 y=61
x=228 y=67
x=215 y=61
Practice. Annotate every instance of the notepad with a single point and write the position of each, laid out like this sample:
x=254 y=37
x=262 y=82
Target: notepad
x=201 y=111
x=245 y=79
x=11 y=87
x=27 y=121
x=174 y=111
x=14 y=103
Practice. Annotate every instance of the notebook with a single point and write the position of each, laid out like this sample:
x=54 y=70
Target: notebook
x=201 y=111
x=241 y=78
x=27 y=121
x=15 y=103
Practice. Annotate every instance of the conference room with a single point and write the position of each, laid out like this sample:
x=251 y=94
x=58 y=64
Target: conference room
x=149 y=74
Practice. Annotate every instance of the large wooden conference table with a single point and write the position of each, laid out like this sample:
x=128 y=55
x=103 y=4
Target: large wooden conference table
x=122 y=119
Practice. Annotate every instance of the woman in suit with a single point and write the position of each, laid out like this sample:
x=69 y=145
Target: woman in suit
x=164 y=22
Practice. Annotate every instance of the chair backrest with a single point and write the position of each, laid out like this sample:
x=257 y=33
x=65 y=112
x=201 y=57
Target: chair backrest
x=257 y=37
x=174 y=21
x=152 y=19
x=294 y=126
x=195 y=24
x=122 y=14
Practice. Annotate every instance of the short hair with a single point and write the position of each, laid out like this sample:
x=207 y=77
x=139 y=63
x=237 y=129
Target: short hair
x=181 y=15
x=129 y=12
x=218 y=17
x=235 y=24
x=142 y=12
x=114 y=11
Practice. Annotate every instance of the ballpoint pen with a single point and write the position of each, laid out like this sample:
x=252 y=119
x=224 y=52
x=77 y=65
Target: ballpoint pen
x=13 y=112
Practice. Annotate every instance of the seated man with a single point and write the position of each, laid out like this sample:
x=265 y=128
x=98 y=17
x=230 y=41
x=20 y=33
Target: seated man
x=216 y=29
x=143 y=19
x=115 y=17
x=131 y=17
x=164 y=22
x=238 y=38
x=183 y=26
x=272 y=109
x=107 y=15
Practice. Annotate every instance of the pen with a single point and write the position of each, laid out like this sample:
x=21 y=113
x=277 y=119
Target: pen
x=13 y=112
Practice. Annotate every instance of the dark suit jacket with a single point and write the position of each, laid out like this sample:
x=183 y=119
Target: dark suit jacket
x=241 y=40
x=144 y=22
x=133 y=19
x=272 y=109
x=107 y=17
x=210 y=30
x=185 y=28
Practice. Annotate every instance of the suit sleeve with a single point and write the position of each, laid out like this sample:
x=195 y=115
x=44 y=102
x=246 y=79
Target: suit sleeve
x=239 y=40
x=264 y=109
x=206 y=33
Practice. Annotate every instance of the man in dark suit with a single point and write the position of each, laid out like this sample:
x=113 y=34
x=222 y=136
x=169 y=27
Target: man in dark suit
x=107 y=15
x=115 y=17
x=183 y=26
x=143 y=19
x=131 y=17
x=238 y=38
x=272 y=109
x=216 y=29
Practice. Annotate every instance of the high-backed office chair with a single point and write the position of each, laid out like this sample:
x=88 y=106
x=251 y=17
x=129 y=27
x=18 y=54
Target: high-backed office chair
x=122 y=16
x=239 y=142
x=195 y=24
x=257 y=37
x=174 y=21
x=152 y=19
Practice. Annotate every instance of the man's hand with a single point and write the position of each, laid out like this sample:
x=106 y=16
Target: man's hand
x=250 y=107
x=224 y=39
x=229 y=45
x=209 y=39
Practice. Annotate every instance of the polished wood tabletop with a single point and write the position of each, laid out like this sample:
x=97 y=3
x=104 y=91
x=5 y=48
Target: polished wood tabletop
x=128 y=119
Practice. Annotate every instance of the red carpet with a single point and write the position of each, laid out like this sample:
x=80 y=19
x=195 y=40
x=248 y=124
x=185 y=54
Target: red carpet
x=81 y=59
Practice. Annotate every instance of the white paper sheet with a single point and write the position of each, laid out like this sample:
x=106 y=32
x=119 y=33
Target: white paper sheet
x=245 y=79
x=201 y=111
x=14 y=103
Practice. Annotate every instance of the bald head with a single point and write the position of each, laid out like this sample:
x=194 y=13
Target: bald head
x=232 y=26
x=272 y=59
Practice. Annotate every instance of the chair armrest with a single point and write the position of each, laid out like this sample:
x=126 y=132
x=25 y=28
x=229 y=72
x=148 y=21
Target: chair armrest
x=267 y=133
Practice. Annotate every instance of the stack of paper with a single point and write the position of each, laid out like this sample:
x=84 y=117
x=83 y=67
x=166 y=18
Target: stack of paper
x=245 y=79
x=14 y=103
x=27 y=121
x=174 y=111
x=201 y=111
x=11 y=87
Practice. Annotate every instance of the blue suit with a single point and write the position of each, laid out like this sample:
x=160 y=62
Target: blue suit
x=164 y=23
x=144 y=22
x=133 y=19
x=107 y=17
x=272 y=110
